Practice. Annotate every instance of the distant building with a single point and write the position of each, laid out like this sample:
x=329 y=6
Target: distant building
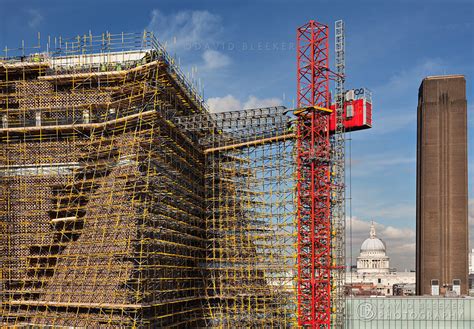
x=471 y=262
x=373 y=275
x=372 y=257
x=404 y=289
x=442 y=228
x=471 y=284
x=471 y=273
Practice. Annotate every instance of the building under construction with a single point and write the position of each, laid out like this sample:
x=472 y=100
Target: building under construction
x=125 y=203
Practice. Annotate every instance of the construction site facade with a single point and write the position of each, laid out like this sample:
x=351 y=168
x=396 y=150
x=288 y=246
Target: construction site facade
x=125 y=203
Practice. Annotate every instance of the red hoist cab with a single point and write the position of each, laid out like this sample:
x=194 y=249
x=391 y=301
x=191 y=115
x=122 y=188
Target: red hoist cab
x=357 y=110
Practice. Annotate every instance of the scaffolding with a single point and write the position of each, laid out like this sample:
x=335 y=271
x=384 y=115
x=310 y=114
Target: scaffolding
x=338 y=192
x=125 y=203
x=250 y=216
x=102 y=196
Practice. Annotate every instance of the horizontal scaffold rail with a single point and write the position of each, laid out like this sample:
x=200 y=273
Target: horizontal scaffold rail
x=250 y=143
x=234 y=119
x=81 y=126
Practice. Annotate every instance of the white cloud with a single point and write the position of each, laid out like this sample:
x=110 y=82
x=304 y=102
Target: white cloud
x=400 y=242
x=34 y=17
x=387 y=209
x=231 y=103
x=223 y=104
x=382 y=162
x=214 y=59
x=403 y=84
x=191 y=35
x=395 y=101
x=185 y=29
x=391 y=232
x=254 y=102
x=385 y=124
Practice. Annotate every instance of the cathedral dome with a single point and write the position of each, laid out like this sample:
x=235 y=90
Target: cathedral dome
x=372 y=244
x=372 y=258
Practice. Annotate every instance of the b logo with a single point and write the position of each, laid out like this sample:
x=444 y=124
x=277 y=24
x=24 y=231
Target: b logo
x=366 y=311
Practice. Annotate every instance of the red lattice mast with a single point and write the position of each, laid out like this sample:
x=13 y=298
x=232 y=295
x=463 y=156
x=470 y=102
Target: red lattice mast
x=314 y=184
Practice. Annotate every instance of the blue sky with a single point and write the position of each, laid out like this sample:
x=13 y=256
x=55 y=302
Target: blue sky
x=243 y=52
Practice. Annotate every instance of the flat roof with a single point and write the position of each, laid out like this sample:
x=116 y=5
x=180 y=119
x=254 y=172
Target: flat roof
x=98 y=58
x=449 y=76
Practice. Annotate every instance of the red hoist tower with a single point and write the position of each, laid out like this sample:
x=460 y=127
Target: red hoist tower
x=321 y=128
